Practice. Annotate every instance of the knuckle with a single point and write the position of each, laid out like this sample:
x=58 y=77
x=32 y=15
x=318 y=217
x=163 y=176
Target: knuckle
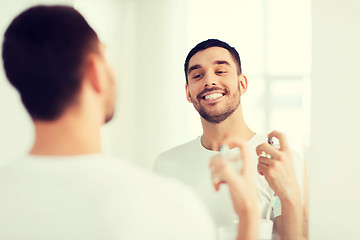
x=271 y=174
x=275 y=165
x=275 y=132
x=282 y=156
x=272 y=164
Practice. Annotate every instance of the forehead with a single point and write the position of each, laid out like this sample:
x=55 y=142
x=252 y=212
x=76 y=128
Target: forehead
x=209 y=55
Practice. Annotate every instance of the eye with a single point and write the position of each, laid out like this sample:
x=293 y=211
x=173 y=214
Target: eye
x=220 y=72
x=198 y=76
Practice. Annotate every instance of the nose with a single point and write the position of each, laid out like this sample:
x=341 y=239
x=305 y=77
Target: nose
x=209 y=81
x=207 y=85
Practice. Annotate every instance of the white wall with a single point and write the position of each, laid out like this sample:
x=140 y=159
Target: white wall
x=146 y=44
x=335 y=119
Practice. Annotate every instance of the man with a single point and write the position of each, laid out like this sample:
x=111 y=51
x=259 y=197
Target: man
x=214 y=85
x=65 y=188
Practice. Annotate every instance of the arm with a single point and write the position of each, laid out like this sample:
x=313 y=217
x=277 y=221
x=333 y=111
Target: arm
x=304 y=211
x=242 y=190
x=279 y=171
x=306 y=202
x=290 y=223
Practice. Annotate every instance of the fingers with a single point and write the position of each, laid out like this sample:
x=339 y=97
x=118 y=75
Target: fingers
x=264 y=165
x=282 y=139
x=222 y=172
x=217 y=184
x=268 y=167
x=215 y=180
x=219 y=170
x=262 y=168
x=244 y=151
x=268 y=149
x=266 y=161
x=217 y=163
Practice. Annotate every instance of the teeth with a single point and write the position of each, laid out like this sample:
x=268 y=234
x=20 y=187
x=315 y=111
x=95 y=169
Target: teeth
x=213 y=96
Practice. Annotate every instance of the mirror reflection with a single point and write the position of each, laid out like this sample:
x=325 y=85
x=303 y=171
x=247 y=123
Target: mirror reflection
x=250 y=78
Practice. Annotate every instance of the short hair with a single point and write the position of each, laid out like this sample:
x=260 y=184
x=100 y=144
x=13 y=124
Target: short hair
x=212 y=43
x=44 y=52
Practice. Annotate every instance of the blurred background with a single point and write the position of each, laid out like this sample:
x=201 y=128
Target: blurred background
x=301 y=59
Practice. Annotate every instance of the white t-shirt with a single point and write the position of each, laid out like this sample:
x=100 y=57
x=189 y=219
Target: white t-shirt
x=96 y=197
x=190 y=163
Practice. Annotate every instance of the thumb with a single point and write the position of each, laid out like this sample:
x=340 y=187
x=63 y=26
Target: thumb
x=244 y=153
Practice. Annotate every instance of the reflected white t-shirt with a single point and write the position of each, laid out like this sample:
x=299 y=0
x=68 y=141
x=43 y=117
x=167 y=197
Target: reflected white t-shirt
x=96 y=197
x=190 y=163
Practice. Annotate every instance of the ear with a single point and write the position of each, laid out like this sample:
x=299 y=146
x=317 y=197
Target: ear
x=92 y=73
x=243 y=83
x=187 y=93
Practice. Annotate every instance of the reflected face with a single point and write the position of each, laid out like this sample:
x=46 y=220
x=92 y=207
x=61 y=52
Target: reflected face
x=110 y=94
x=214 y=86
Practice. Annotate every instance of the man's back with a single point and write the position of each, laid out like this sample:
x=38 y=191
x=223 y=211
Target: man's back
x=95 y=197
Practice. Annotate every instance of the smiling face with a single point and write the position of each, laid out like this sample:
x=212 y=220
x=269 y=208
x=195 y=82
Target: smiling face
x=214 y=86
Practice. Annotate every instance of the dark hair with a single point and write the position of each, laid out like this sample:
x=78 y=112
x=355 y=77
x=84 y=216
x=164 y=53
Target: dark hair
x=212 y=43
x=43 y=53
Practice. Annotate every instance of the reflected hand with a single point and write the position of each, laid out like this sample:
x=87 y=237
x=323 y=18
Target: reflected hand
x=241 y=184
x=277 y=166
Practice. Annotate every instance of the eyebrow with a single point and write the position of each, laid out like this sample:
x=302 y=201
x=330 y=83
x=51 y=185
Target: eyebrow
x=192 y=68
x=217 y=62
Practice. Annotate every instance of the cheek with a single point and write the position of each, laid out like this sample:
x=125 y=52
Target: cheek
x=234 y=84
x=192 y=90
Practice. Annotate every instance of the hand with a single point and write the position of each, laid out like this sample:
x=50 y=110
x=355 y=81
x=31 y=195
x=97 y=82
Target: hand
x=241 y=184
x=278 y=169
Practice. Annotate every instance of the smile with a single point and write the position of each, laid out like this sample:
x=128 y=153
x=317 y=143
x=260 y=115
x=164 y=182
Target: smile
x=213 y=96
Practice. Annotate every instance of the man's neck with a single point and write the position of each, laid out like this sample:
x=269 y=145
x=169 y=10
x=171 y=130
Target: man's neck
x=234 y=127
x=66 y=136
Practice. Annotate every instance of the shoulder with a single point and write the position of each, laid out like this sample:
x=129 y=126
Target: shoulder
x=178 y=153
x=135 y=197
x=153 y=183
x=183 y=202
x=175 y=204
x=181 y=149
